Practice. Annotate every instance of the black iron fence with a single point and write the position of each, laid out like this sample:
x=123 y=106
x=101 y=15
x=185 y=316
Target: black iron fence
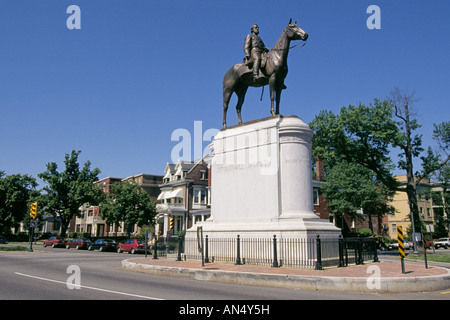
x=313 y=252
x=164 y=246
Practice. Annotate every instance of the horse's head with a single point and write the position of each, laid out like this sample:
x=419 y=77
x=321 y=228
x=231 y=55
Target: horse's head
x=294 y=32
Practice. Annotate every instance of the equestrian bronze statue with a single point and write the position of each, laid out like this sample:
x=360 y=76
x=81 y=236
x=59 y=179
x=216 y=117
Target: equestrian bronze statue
x=272 y=67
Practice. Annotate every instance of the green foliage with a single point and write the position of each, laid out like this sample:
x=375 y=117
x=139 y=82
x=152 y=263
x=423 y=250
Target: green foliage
x=15 y=193
x=358 y=134
x=74 y=235
x=129 y=203
x=363 y=137
x=441 y=134
x=365 y=232
x=68 y=190
x=15 y=248
x=351 y=187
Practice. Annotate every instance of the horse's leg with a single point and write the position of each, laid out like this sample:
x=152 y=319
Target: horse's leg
x=278 y=90
x=241 y=91
x=226 y=100
x=272 y=85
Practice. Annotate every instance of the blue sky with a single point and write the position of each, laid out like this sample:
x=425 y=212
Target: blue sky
x=138 y=70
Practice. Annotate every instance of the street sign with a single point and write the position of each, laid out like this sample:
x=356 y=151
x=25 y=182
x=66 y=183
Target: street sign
x=33 y=223
x=401 y=247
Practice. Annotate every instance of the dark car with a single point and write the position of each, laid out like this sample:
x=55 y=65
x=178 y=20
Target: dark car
x=55 y=241
x=103 y=245
x=3 y=239
x=78 y=243
x=132 y=246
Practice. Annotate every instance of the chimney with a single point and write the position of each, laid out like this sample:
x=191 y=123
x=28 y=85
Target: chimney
x=320 y=169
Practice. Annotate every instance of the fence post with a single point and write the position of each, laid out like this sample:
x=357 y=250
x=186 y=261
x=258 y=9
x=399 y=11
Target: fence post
x=206 y=249
x=146 y=242
x=345 y=251
x=275 y=257
x=341 y=251
x=179 y=249
x=359 y=246
x=319 y=254
x=155 y=248
x=238 y=258
x=375 y=253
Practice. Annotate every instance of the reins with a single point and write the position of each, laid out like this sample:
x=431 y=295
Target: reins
x=304 y=43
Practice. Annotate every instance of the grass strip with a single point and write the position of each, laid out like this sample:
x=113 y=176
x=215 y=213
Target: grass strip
x=16 y=248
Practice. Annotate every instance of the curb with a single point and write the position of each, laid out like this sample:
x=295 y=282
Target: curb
x=352 y=284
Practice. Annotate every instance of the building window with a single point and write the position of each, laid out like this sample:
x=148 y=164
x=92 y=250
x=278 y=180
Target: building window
x=200 y=196
x=316 y=197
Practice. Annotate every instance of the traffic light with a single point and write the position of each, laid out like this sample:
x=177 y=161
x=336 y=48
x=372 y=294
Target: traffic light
x=170 y=223
x=33 y=210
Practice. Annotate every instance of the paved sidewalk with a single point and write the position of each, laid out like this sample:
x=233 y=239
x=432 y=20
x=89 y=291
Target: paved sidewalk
x=370 y=277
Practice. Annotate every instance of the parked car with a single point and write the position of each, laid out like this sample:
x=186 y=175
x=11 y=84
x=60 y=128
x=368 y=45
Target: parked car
x=132 y=246
x=408 y=245
x=78 y=243
x=55 y=241
x=103 y=245
x=442 y=243
x=3 y=239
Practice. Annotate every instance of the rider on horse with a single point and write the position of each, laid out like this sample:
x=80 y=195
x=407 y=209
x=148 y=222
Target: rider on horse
x=254 y=47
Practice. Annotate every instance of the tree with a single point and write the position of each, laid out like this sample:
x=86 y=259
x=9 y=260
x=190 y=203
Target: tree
x=365 y=135
x=351 y=187
x=15 y=193
x=128 y=202
x=359 y=134
x=68 y=190
x=411 y=147
x=441 y=191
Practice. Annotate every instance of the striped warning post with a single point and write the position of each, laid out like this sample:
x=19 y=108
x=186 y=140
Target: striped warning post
x=401 y=246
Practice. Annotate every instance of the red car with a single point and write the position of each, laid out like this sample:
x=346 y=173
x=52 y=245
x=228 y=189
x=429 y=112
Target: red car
x=78 y=243
x=55 y=241
x=132 y=246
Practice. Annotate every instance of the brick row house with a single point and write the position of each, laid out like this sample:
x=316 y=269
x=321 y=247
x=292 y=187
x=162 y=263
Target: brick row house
x=387 y=223
x=183 y=195
x=91 y=220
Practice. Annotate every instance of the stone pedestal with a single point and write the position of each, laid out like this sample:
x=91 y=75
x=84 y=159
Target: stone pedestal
x=262 y=182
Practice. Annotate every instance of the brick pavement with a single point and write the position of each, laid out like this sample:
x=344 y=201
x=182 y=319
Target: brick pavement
x=387 y=268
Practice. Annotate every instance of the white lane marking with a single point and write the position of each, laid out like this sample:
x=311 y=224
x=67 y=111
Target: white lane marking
x=90 y=288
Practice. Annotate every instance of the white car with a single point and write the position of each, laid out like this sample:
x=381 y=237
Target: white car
x=442 y=243
x=408 y=245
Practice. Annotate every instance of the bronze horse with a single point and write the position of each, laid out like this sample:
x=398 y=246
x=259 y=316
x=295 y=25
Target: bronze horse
x=274 y=68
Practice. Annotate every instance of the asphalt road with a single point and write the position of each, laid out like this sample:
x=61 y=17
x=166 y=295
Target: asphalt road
x=54 y=274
